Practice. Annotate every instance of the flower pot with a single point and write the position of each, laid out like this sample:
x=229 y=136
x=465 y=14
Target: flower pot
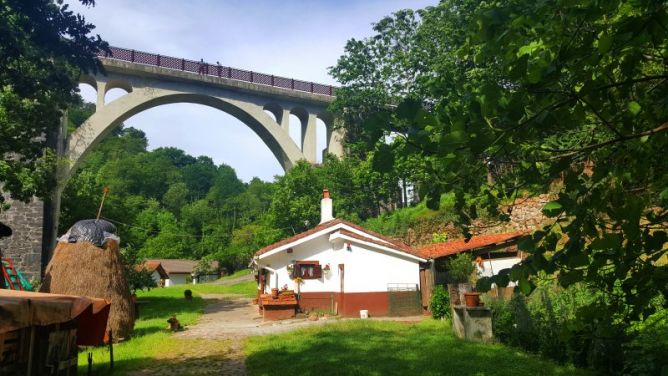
x=472 y=299
x=274 y=293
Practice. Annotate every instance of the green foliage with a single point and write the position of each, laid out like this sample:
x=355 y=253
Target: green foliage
x=509 y=95
x=460 y=268
x=137 y=279
x=358 y=192
x=645 y=353
x=548 y=322
x=140 y=279
x=440 y=303
x=439 y=237
x=43 y=48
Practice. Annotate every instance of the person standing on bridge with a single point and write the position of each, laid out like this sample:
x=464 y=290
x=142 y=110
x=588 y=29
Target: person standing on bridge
x=201 y=66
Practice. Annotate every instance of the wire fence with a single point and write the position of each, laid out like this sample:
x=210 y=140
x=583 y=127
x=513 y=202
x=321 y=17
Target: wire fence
x=216 y=70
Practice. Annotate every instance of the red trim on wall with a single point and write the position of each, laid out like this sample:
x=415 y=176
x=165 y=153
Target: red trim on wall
x=377 y=303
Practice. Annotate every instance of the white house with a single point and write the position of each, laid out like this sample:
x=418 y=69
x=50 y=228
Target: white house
x=158 y=273
x=181 y=272
x=339 y=266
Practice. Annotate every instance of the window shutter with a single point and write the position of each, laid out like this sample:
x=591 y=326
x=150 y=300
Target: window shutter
x=317 y=271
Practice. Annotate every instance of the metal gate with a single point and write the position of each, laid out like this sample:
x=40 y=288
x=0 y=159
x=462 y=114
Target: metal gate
x=404 y=299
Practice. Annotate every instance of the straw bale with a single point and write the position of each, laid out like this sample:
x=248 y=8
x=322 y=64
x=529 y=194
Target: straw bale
x=83 y=269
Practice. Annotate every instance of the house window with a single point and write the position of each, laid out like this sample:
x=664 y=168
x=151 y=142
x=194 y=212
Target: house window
x=307 y=270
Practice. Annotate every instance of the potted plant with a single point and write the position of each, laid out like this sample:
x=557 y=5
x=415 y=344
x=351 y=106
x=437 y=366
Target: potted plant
x=326 y=270
x=460 y=270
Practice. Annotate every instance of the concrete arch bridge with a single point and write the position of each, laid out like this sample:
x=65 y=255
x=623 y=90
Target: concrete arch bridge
x=152 y=80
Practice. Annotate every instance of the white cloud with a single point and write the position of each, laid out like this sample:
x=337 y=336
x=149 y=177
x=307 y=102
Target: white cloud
x=298 y=39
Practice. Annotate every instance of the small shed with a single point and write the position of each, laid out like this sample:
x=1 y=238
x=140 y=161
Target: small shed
x=181 y=272
x=492 y=253
x=158 y=273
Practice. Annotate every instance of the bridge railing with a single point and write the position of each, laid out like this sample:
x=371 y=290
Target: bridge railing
x=216 y=70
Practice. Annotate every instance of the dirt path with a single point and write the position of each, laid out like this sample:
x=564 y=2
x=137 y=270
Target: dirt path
x=214 y=345
x=233 y=318
x=233 y=281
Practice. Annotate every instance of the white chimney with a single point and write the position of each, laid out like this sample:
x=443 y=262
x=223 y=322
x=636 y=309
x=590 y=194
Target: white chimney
x=326 y=207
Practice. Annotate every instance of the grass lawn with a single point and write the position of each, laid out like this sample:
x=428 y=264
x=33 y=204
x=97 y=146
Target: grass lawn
x=237 y=274
x=388 y=348
x=151 y=344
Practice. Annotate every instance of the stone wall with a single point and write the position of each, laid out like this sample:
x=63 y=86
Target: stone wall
x=24 y=247
x=525 y=215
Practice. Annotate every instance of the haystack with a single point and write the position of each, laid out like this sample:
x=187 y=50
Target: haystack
x=82 y=268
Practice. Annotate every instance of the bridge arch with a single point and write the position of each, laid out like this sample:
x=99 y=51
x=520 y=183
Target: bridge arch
x=112 y=115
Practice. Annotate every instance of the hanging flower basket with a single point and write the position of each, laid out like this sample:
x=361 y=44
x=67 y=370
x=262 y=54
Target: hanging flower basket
x=326 y=270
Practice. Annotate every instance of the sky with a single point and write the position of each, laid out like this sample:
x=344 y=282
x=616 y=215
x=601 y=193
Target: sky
x=297 y=39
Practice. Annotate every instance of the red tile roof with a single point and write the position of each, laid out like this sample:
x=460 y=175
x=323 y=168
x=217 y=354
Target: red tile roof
x=180 y=266
x=152 y=266
x=392 y=243
x=461 y=245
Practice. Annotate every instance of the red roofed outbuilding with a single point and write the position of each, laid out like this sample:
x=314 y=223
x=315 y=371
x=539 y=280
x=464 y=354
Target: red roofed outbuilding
x=492 y=252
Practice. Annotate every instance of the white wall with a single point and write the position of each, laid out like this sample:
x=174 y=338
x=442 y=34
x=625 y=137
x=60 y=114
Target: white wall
x=176 y=279
x=156 y=277
x=497 y=265
x=366 y=269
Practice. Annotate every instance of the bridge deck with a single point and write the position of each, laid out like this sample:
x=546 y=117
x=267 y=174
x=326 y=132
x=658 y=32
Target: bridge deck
x=215 y=70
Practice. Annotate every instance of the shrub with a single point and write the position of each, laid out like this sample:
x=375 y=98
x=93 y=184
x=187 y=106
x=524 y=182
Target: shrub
x=440 y=303
x=557 y=323
x=460 y=268
x=645 y=354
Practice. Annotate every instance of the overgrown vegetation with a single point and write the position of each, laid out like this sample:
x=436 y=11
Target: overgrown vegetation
x=547 y=323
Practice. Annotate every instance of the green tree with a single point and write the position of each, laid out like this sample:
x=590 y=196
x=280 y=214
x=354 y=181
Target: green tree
x=553 y=96
x=43 y=48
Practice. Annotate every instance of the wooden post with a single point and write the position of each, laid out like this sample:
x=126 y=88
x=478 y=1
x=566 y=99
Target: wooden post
x=31 y=351
x=105 y=190
x=90 y=363
x=111 y=351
